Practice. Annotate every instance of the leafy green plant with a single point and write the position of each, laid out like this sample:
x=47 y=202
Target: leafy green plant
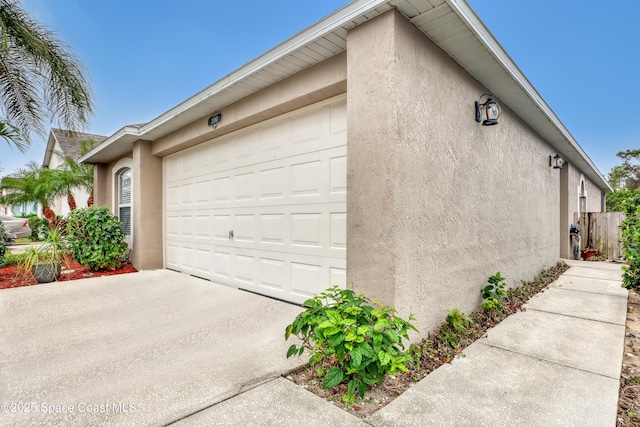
x=3 y=244
x=96 y=238
x=46 y=257
x=455 y=327
x=458 y=320
x=358 y=339
x=631 y=243
x=494 y=292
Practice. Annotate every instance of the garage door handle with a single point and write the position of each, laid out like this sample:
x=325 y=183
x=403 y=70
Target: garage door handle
x=230 y=234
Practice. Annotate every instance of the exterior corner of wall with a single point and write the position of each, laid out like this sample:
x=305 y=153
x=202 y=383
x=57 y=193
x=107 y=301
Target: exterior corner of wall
x=147 y=207
x=371 y=138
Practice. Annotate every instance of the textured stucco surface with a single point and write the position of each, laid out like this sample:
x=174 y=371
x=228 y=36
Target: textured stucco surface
x=371 y=159
x=437 y=202
x=147 y=213
x=100 y=182
x=322 y=81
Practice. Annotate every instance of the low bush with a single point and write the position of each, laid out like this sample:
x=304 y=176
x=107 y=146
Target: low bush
x=494 y=291
x=11 y=259
x=351 y=339
x=96 y=238
x=3 y=245
x=631 y=243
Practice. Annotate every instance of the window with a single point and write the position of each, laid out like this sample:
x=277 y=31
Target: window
x=124 y=200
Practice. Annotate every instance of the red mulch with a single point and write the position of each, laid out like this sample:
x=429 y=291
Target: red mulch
x=9 y=278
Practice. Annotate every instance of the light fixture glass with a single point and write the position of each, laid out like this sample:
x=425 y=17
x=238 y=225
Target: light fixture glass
x=487 y=112
x=556 y=161
x=214 y=120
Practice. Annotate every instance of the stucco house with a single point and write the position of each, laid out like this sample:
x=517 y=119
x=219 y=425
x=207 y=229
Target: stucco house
x=350 y=155
x=60 y=144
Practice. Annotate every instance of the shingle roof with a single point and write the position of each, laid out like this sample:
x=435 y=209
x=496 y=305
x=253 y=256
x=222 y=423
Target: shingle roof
x=70 y=141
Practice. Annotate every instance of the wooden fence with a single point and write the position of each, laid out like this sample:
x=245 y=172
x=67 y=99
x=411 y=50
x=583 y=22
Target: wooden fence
x=601 y=231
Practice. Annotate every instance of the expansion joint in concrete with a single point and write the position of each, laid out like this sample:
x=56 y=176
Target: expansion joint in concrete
x=546 y=360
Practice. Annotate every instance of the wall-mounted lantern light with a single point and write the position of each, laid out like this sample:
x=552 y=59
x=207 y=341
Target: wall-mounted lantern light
x=214 y=120
x=556 y=161
x=487 y=112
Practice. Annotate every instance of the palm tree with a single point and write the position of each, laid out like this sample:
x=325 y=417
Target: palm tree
x=40 y=78
x=33 y=184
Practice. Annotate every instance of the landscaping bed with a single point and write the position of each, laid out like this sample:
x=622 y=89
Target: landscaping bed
x=629 y=400
x=10 y=277
x=439 y=348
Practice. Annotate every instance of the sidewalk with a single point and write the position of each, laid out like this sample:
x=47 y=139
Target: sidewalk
x=556 y=364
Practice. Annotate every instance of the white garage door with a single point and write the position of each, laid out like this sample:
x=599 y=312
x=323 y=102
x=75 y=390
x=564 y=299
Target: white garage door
x=263 y=209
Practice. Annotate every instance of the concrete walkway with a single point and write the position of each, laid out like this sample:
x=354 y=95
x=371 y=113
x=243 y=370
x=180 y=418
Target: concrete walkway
x=556 y=364
x=185 y=352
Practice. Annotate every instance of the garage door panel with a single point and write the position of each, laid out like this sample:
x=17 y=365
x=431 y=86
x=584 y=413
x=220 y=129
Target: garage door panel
x=318 y=230
x=203 y=261
x=338 y=175
x=244 y=187
x=265 y=145
x=222 y=265
x=305 y=179
x=203 y=227
x=244 y=229
x=245 y=268
x=272 y=228
x=306 y=279
x=263 y=209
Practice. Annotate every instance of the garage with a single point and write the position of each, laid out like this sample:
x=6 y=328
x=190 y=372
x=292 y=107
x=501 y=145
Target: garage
x=264 y=208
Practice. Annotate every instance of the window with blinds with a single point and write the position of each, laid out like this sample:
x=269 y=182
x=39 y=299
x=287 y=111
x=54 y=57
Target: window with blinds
x=124 y=200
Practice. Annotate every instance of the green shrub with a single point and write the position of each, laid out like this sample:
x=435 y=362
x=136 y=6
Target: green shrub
x=3 y=245
x=37 y=225
x=494 y=292
x=631 y=243
x=11 y=259
x=96 y=238
x=360 y=343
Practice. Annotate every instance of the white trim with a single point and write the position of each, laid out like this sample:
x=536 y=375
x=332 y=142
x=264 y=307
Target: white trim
x=582 y=193
x=125 y=163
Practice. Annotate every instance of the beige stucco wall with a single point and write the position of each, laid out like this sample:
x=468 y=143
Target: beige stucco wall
x=436 y=202
x=147 y=208
x=100 y=183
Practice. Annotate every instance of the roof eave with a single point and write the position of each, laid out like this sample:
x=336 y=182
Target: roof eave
x=117 y=145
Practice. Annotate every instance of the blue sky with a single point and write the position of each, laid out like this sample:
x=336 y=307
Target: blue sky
x=145 y=57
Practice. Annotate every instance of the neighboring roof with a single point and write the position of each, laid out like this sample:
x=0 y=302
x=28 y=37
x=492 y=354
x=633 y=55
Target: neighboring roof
x=69 y=142
x=451 y=24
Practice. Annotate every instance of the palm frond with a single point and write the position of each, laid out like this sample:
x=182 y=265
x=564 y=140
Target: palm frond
x=12 y=135
x=44 y=63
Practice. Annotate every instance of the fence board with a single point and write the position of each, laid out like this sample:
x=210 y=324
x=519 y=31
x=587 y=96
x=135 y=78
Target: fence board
x=601 y=231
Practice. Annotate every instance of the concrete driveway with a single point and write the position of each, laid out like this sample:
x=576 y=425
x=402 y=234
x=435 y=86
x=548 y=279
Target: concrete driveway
x=148 y=348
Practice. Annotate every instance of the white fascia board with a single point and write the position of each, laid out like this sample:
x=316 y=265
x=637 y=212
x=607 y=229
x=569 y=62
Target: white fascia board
x=320 y=29
x=464 y=11
x=126 y=131
x=48 y=152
